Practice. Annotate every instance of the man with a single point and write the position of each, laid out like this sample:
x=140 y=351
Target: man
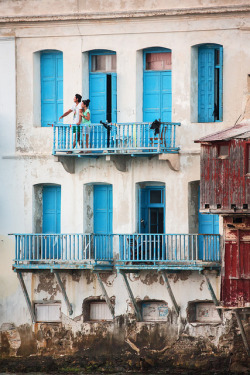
x=76 y=107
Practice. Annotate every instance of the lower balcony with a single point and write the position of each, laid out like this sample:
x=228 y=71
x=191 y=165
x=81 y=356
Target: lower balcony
x=130 y=251
x=126 y=138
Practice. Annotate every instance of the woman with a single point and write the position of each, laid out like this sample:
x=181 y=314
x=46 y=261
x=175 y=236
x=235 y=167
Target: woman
x=85 y=114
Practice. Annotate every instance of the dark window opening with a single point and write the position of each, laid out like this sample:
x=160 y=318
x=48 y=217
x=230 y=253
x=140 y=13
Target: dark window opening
x=155 y=196
x=156 y=220
x=206 y=205
x=218 y=205
x=109 y=98
x=237 y=220
x=248 y=159
x=245 y=206
x=216 y=93
x=233 y=206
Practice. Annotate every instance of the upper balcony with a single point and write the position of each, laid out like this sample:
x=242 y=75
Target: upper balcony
x=132 y=252
x=124 y=138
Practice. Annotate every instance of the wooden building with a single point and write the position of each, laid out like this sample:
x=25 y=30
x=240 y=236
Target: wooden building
x=225 y=190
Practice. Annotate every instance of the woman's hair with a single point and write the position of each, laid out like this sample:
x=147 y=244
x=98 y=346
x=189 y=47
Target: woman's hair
x=86 y=102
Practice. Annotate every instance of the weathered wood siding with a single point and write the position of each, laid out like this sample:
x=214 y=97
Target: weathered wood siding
x=224 y=181
x=235 y=286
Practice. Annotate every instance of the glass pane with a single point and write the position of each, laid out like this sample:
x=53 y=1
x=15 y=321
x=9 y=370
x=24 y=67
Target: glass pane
x=156 y=220
x=158 y=61
x=103 y=63
x=224 y=150
x=217 y=57
x=155 y=196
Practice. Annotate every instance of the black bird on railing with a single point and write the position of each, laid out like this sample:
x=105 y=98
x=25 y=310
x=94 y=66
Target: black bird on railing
x=156 y=124
x=108 y=127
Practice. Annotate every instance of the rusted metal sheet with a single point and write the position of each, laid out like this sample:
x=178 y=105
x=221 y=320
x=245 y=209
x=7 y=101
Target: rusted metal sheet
x=235 y=290
x=225 y=180
x=240 y=130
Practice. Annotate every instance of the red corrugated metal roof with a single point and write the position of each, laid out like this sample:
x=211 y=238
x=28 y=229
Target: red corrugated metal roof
x=237 y=131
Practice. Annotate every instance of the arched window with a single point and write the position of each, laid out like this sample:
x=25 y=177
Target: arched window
x=157 y=84
x=103 y=86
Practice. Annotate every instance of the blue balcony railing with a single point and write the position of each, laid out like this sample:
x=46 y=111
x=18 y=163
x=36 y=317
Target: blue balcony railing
x=131 y=138
x=62 y=250
x=186 y=251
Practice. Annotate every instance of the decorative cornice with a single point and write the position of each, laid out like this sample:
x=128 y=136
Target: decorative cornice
x=208 y=11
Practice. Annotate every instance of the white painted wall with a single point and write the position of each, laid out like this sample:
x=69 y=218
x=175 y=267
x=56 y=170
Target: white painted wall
x=7 y=95
x=33 y=164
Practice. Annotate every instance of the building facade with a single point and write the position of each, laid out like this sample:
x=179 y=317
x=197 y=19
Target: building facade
x=109 y=250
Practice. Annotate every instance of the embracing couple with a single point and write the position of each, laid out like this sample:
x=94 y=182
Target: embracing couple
x=81 y=115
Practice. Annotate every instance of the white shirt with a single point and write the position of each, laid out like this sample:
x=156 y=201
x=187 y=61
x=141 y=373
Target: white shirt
x=75 y=108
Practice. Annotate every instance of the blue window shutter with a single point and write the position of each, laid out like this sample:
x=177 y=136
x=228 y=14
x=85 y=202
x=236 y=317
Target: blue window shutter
x=98 y=97
x=114 y=98
x=143 y=210
x=51 y=71
x=103 y=209
x=206 y=61
x=51 y=209
x=166 y=96
x=151 y=96
x=59 y=86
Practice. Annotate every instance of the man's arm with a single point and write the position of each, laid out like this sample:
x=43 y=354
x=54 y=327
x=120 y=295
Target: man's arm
x=80 y=117
x=65 y=114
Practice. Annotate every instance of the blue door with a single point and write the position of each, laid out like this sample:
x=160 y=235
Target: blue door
x=151 y=210
x=51 y=70
x=51 y=221
x=208 y=224
x=103 y=221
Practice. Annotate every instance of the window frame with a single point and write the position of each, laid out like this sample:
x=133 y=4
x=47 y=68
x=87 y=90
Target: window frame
x=48 y=303
x=219 y=156
x=102 y=52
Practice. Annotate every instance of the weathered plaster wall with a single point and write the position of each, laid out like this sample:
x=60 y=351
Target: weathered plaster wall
x=30 y=164
x=128 y=39
x=24 y=8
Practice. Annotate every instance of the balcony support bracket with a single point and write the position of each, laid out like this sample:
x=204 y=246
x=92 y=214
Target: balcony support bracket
x=132 y=298
x=120 y=162
x=68 y=163
x=210 y=288
x=26 y=296
x=105 y=295
x=63 y=291
x=173 y=160
x=242 y=331
x=170 y=292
